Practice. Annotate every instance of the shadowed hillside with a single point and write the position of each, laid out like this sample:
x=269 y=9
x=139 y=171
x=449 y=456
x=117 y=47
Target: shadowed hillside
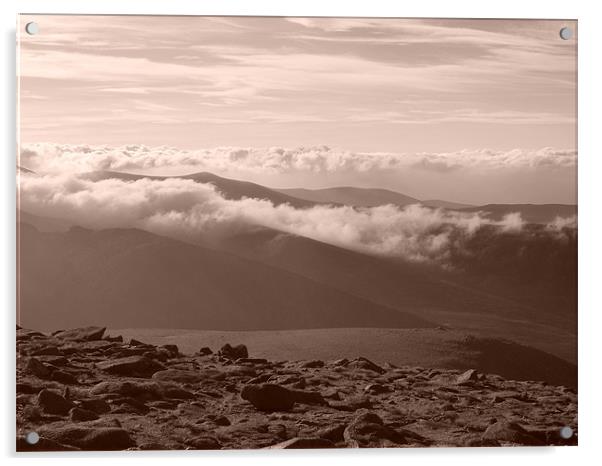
x=134 y=278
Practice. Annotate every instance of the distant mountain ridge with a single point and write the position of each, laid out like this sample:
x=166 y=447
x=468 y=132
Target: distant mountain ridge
x=348 y=195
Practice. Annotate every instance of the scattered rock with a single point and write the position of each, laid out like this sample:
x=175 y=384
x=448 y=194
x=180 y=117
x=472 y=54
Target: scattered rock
x=116 y=395
x=269 y=397
x=233 y=352
x=133 y=366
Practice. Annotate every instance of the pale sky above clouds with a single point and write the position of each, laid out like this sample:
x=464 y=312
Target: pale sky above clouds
x=421 y=88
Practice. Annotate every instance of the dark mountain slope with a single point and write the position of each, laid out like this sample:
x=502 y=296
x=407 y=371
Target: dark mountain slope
x=131 y=278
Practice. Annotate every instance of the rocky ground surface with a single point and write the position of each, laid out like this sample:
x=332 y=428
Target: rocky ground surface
x=83 y=390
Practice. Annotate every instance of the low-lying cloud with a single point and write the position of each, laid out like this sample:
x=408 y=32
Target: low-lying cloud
x=65 y=158
x=192 y=211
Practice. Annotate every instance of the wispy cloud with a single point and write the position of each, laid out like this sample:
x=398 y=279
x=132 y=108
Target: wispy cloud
x=331 y=75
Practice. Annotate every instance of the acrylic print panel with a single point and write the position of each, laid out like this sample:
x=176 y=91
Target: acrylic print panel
x=251 y=232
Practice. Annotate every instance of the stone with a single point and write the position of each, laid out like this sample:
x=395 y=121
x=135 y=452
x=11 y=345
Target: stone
x=204 y=443
x=308 y=398
x=37 y=368
x=368 y=430
x=333 y=433
x=134 y=342
x=133 y=366
x=352 y=403
x=172 y=350
x=79 y=414
x=84 y=333
x=43 y=444
x=50 y=350
x=205 y=351
x=313 y=364
x=52 y=403
x=303 y=443
x=179 y=376
x=376 y=389
x=63 y=377
x=268 y=397
x=233 y=352
x=469 y=376
x=96 y=405
x=89 y=438
x=366 y=364
x=511 y=432
x=117 y=339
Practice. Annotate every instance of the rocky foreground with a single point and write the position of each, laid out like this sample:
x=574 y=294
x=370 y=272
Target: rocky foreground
x=82 y=390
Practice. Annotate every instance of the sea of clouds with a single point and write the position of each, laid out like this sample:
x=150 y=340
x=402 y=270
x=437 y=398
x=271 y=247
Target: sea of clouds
x=185 y=209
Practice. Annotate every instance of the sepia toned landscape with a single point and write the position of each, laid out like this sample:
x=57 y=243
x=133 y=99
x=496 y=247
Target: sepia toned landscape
x=296 y=233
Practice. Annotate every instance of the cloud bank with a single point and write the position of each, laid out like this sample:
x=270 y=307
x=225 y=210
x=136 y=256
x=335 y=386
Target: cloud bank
x=184 y=209
x=61 y=158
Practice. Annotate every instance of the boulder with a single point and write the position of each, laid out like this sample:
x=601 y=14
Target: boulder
x=205 y=351
x=84 y=333
x=233 y=352
x=268 y=397
x=133 y=366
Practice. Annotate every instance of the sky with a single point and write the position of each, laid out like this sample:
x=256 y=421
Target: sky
x=475 y=111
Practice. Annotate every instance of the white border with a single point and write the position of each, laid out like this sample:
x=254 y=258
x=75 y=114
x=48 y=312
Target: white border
x=590 y=196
